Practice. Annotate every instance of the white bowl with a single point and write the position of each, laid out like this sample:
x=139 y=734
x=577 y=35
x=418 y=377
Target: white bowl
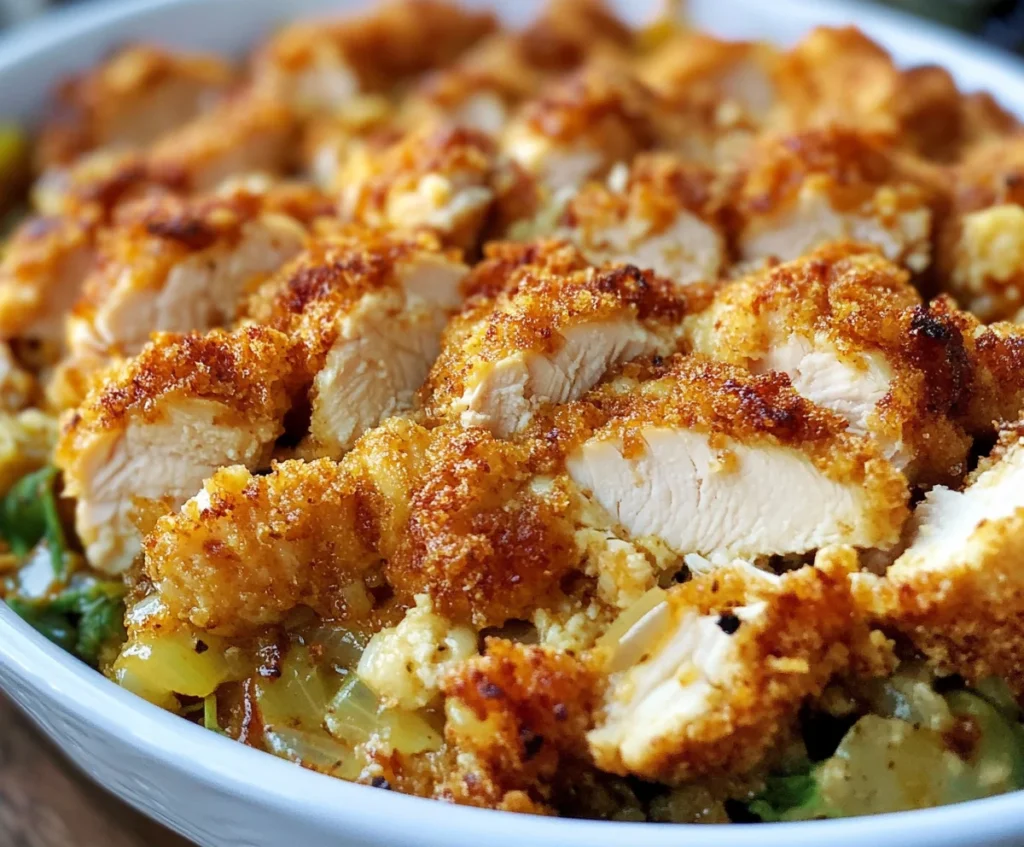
x=222 y=794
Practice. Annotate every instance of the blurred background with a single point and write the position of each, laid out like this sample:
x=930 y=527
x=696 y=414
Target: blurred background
x=1000 y=22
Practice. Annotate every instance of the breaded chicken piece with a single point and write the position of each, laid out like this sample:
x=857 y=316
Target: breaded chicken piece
x=992 y=393
x=707 y=458
x=454 y=515
x=981 y=244
x=42 y=270
x=553 y=329
x=485 y=84
x=661 y=213
x=517 y=715
x=177 y=264
x=96 y=184
x=440 y=178
x=318 y=65
x=246 y=133
x=958 y=590
x=796 y=192
x=839 y=76
x=851 y=333
x=129 y=100
x=369 y=309
x=736 y=79
x=465 y=518
x=146 y=437
x=709 y=681
x=480 y=90
x=583 y=124
x=247 y=549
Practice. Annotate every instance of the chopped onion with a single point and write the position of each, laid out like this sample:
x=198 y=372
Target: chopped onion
x=315 y=750
x=157 y=665
x=355 y=716
x=299 y=697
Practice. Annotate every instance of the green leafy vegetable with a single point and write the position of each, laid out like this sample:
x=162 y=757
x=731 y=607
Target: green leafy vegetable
x=82 y=619
x=793 y=797
x=29 y=514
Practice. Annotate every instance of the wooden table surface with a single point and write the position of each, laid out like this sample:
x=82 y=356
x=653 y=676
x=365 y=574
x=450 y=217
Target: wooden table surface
x=45 y=802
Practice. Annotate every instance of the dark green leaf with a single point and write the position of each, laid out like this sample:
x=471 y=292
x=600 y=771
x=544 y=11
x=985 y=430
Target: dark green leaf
x=790 y=797
x=81 y=619
x=55 y=625
x=29 y=513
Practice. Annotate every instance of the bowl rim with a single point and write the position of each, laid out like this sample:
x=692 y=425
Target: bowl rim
x=360 y=811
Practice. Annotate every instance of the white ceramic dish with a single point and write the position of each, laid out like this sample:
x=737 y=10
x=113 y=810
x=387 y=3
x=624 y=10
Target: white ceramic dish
x=222 y=794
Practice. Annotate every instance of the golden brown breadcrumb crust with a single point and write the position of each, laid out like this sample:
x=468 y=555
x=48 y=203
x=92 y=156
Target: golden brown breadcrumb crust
x=861 y=304
x=528 y=297
x=519 y=712
x=98 y=107
x=441 y=177
x=261 y=545
x=693 y=392
x=253 y=370
x=462 y=523
x=807 y=632
x=398 y=39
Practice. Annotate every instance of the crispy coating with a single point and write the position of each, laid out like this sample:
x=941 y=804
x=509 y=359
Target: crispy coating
x=315 y=64
x=693 y=392
x=580 y=126
x=246 y=133
x=994 y=391
x=178 y=264
x=251 y=370
x=903 y=375
x=248 y=549
x=837 y=75
x=545 y=313
x=461 y=521
x=334 y=272
x=797 y=191
x=667 y=216
x=519 y=713
x=130 y=99
x=737 y=693
x=979 y=250
x=153 y=429
x=41 y=273
x=957 y=591
x=442 y=178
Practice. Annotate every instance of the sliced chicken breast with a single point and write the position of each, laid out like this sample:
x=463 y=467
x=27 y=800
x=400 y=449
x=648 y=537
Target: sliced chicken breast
x=129 y=100
x=850 y=331
x=711 y=460
x=660 y=213
x=320 y=65
x=712 y=678
x=42 y=270
x=958 y=590
x=553 y=329
x=440 y=178
x=799 y=191
x=144 y=440
x=369 y=309
x=246 y=133
x=579 y=127
x=178 y=265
